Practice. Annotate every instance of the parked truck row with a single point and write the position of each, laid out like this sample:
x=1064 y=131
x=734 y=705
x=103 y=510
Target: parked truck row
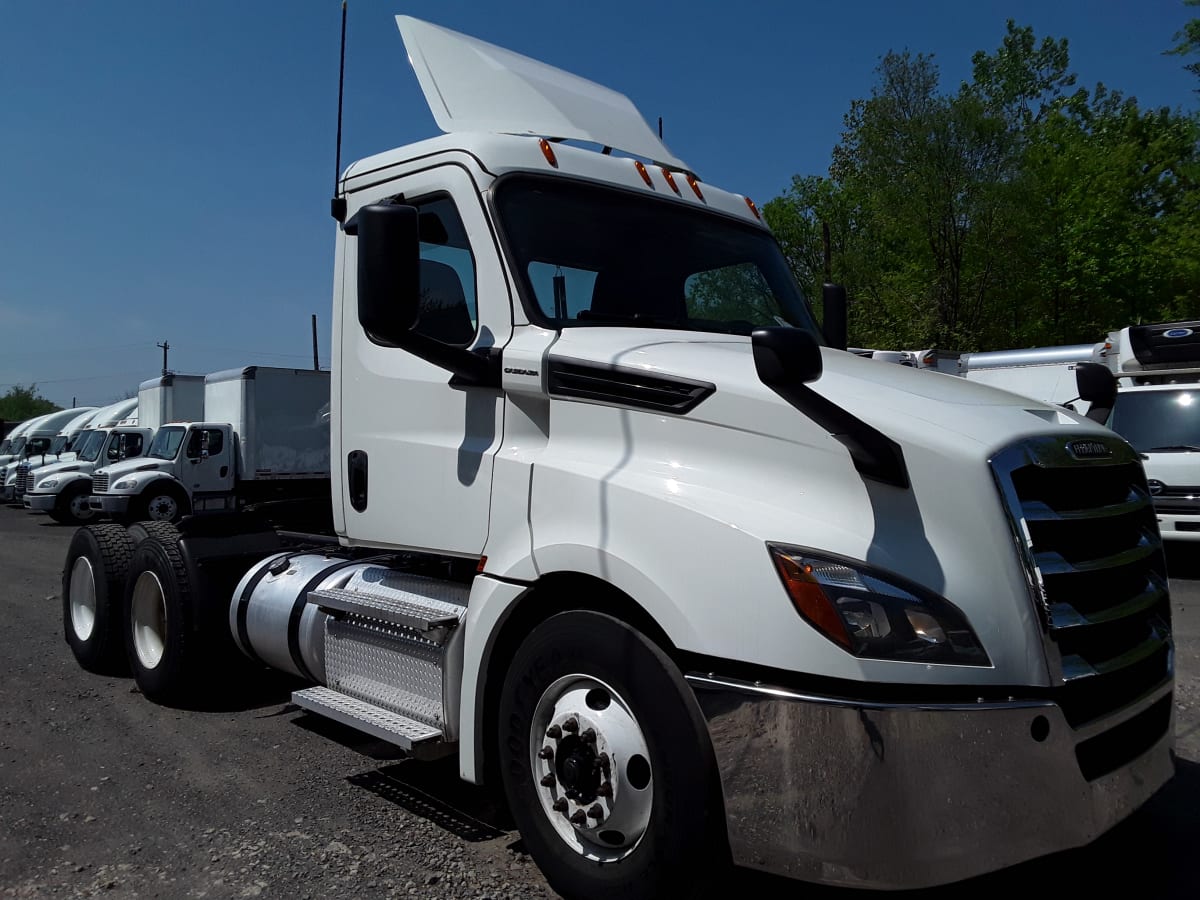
x=681 y=577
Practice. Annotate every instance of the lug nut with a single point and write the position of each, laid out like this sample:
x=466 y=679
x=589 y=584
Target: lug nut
x=546 y=752
x=559 y=805
x=604 y=763
x=571 y=726
x=578 y=818
x=554 y=733
x=596 y=812
x=605 y=790
x=588 y=736
x=548 y=780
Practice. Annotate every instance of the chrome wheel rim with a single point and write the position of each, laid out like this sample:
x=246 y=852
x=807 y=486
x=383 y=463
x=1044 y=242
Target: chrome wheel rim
x=162 y=508
x=79 y=509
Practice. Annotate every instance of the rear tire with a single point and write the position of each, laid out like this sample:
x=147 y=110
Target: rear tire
x=627 y=805
x=93 y=593
x=160 y=639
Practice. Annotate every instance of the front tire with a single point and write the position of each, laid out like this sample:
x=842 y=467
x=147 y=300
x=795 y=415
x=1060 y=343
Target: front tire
x=607 y=765
x=160 y=502
x=71 y=507
x=93 y=593
x=160 y=640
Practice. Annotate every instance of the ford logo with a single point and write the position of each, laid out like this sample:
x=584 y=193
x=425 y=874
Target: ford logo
x=1156 y=487
x=1177 y=333
x=1089 y=449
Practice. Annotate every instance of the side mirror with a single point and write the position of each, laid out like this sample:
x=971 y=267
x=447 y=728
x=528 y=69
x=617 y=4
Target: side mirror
x=389 y=280
x=1096 y=384
x=834 y=327
x=786 y=356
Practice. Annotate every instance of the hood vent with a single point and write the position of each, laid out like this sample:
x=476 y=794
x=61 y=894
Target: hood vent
x=626 y=387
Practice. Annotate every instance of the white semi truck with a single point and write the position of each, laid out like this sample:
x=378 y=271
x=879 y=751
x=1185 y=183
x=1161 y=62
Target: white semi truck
x=62 y=489
x=623 y=535
x=263 y=435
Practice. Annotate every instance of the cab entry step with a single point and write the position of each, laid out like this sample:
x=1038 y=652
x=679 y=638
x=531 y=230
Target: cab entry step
x=406 y=733
x=432 y=616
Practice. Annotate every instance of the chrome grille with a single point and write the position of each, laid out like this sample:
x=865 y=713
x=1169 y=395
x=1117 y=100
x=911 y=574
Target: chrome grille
x=1176 y=499
x=100 y=483
x=1087 y=536
x=22 y=482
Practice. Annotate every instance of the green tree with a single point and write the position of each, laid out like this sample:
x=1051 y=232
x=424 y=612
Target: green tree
x=21 y=403
x=1188 y=41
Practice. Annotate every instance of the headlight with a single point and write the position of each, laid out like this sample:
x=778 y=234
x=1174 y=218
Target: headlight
x=127 y=485
x=48 y=485
x=876 y=614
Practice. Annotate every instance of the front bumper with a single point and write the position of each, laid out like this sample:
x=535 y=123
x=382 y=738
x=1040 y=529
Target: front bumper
x=1178 y=528
x=8 y=493
x=110 y=504
x=40 y=502
x=909 y=796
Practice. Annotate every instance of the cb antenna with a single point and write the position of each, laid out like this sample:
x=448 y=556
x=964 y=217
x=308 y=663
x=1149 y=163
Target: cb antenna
x=337 y=206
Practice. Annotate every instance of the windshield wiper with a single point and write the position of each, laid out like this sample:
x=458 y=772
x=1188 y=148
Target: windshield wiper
x=1174 y=448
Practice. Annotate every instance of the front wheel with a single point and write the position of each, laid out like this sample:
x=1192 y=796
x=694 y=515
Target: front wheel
x=71 y=507
x=607 y=764
x=160 y=502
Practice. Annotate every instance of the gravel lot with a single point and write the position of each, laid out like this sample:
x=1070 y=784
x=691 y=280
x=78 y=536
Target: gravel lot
x=104 y=793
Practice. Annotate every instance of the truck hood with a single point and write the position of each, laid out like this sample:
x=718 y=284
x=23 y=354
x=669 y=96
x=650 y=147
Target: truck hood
x=136 y=464
x=60 y=467
x=1176 y=468
x=938 y=412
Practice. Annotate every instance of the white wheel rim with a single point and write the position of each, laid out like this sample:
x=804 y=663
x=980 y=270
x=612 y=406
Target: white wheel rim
x=162 y=508
x=591 y=768
x=148 y=618
x=83 y=598
x=79 y=507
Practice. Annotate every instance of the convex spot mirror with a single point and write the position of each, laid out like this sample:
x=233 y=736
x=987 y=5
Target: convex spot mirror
x=389 y=281
x=786 y=356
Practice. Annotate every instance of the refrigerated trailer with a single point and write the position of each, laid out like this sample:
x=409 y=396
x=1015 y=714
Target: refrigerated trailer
x=634 y=546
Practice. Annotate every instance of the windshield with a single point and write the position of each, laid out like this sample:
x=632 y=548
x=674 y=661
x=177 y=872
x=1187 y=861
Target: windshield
x=38 y=445
x=92 y=446
x=77 y=440
x=58 y=444
x=594 y=256
x=18 y=445
x=5 y=448
x=166 y=443
x=1158 y=420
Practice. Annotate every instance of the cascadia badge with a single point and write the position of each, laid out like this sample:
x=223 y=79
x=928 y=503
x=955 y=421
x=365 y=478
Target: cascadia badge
x=1089 y=449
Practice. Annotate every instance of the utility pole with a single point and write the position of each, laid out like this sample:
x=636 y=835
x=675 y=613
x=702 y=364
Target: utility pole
x=316 y=358
x=166 y=345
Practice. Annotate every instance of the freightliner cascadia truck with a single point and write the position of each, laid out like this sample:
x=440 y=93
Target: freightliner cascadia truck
x=613 y=525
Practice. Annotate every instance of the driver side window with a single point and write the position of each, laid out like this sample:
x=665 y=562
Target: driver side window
x=448 y=309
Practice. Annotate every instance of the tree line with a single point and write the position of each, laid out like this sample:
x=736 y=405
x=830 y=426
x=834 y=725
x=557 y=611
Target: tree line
x=1018 y=210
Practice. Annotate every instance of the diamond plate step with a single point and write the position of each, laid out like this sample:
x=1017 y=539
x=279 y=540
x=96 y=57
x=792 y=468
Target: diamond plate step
x=409 y=734
x=406 y=608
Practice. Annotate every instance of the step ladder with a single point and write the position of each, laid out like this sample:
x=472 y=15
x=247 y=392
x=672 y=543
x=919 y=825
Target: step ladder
x=390 y=639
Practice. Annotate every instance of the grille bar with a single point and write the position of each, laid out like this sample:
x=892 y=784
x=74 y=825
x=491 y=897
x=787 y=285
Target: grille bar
x=1039 y=511
x=1051 y=562
x=1076 y=667
x=1064 y=616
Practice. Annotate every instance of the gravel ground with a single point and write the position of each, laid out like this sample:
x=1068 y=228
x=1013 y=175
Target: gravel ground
x=104 y=793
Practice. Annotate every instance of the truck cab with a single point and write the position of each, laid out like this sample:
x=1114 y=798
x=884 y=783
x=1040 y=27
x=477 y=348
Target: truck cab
x=183 y=458
x=39 y=438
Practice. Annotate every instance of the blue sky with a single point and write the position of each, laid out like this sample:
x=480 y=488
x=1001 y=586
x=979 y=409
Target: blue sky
x=165 y=168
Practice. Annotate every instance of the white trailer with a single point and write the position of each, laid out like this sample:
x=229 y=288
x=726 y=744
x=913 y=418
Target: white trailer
x=686 y=584
x=264 y=436
x=1043 y=373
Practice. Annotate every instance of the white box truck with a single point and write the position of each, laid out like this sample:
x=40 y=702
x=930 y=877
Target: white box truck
x=34 y=446
x=264 y=436
x=687 y=584
x=62 y=489
x=67 y=443
x=1157 y=409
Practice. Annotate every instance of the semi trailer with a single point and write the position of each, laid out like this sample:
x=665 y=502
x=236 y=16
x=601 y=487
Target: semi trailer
x=632 y=541
x=62 y=489
x=262 y=435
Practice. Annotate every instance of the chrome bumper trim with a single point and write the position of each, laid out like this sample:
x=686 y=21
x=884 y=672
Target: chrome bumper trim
x=889 y=795
x=113 y=504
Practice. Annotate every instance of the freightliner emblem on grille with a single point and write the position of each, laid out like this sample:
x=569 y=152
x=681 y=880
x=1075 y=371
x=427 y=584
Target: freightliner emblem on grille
x=1089 y=449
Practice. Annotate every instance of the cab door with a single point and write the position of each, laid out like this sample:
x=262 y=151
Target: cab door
x=414 y=449
x=207 y=460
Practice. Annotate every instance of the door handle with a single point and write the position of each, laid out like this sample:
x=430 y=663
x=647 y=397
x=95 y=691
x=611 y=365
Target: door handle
x=356 y=479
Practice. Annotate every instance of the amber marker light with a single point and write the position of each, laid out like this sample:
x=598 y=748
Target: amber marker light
x=810 y=600
x=482 y=564
x=670 y=180
x=753 y=208
x=548 y=152
x=694 y=184
x=641 y=170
